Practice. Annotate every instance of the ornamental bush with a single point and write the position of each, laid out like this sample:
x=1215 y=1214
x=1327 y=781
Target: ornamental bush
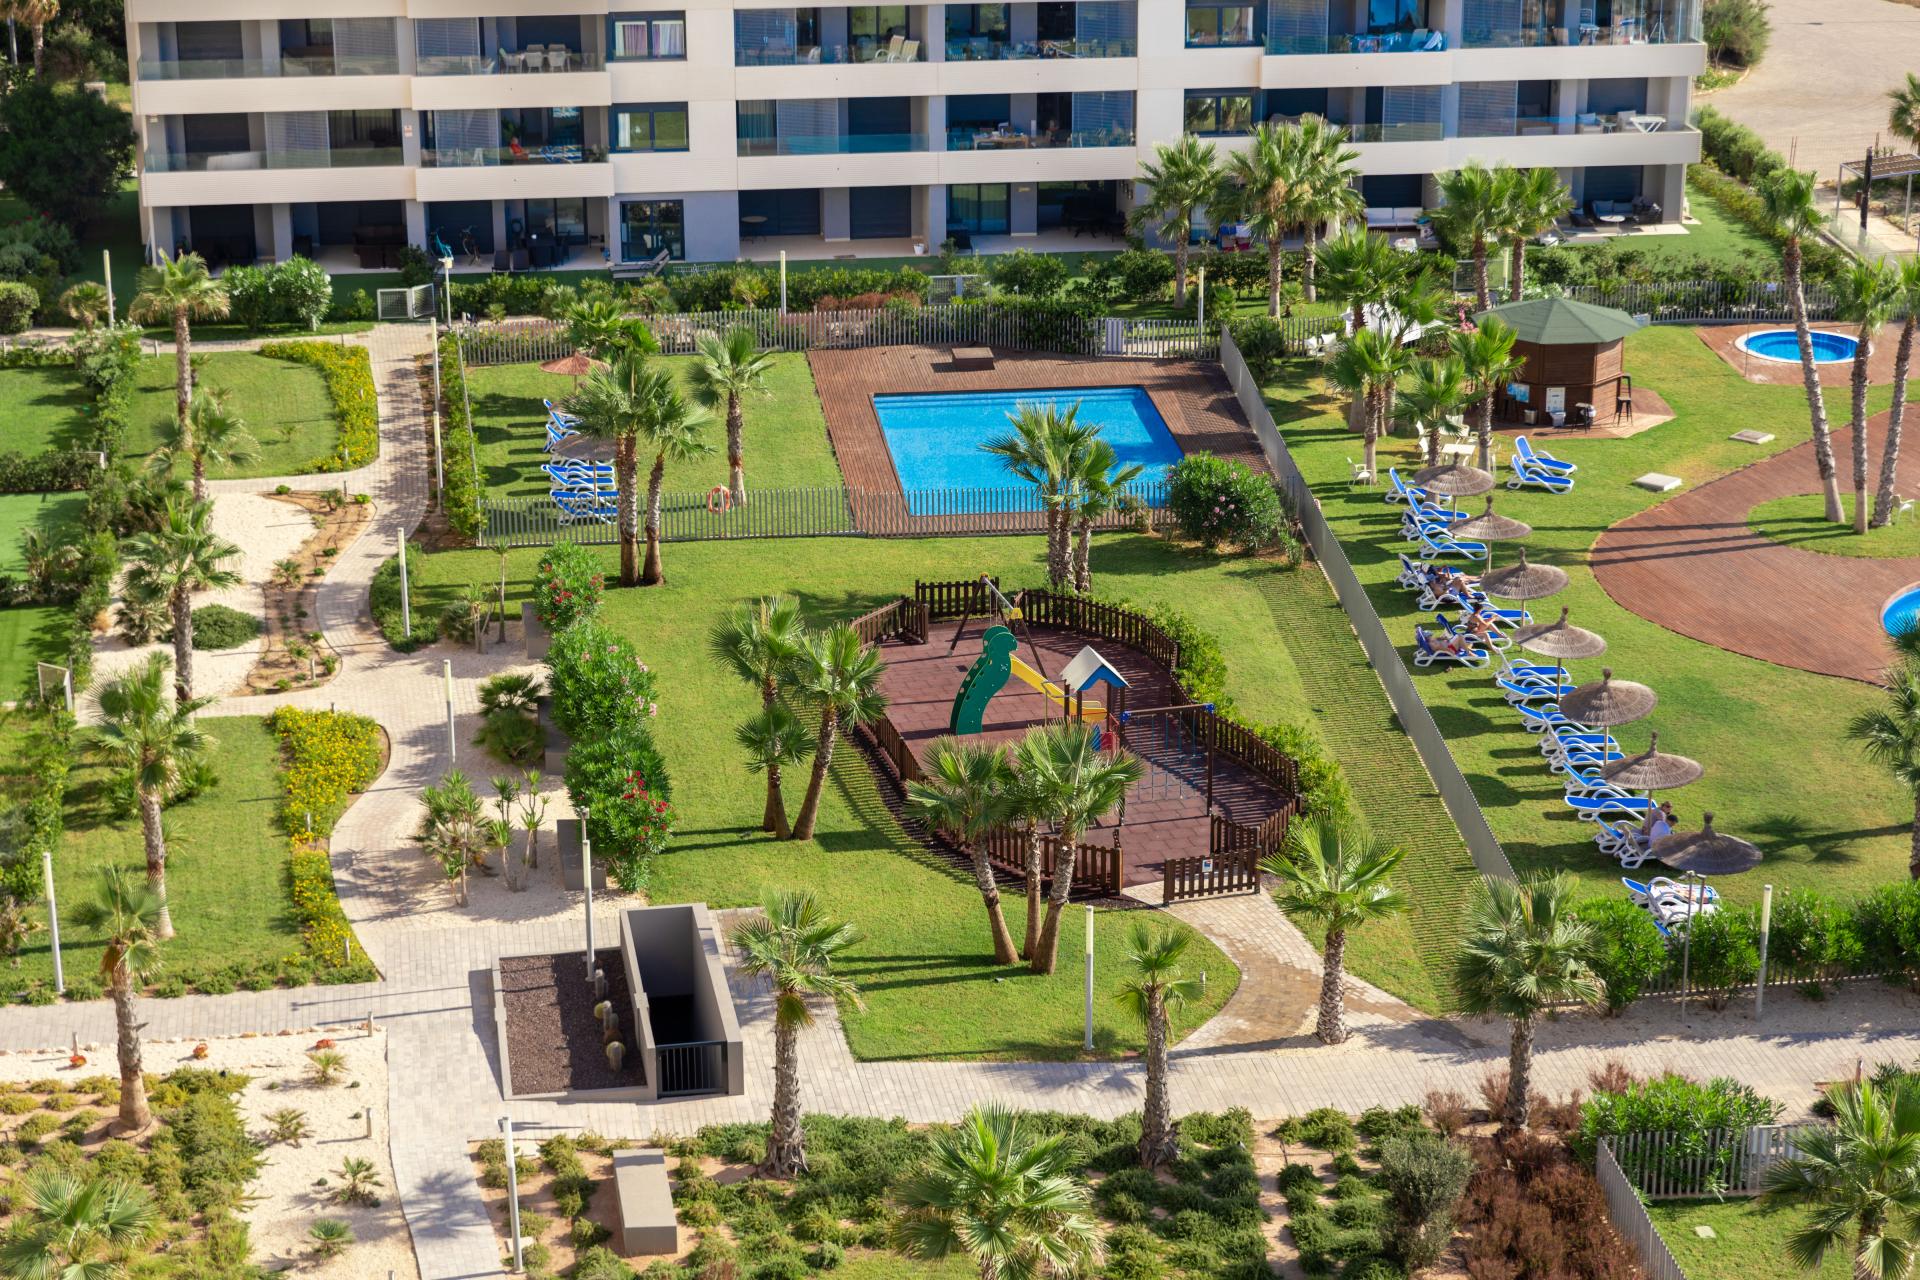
x=1029 y=274
x=348 y=372
x=1220 y=502
x=619 y=780
x=567 y=585
x=330 y=755
x=1687 y=1110
x=1629 y=951
x=1725 y=952
x=598 y=682
x=18 y=302
x=1423 y=1175
x=215 y=626
x=1809 y=933
x=1887 y=922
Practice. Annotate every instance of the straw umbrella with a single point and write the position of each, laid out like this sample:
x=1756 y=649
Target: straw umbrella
x=1454 y=480
x=1524 y=581
x=1650 y=771
x=1490 y=528
x=1559 y=640
x=575 y=366
x=1697 y=854
x=1608 y=702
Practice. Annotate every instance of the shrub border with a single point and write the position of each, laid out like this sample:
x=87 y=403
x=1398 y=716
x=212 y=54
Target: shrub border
x=348 y=373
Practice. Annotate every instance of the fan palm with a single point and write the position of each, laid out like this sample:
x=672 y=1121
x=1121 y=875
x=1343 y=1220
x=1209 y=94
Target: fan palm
x=85 y=304
x=1263 y=177
x=1435 y=394
x=1027 y=807
x=773 y=739
x=155 y=743
x=841 y=676
x=1099 y=486
x=1861 y=1176
x=966 y=791
x=1367 y=366
x=998 y=1189
x=1472 y=212
x=1903 y=118
x=726 y=372
x=1907 y=307
x=182 y=556
x=74 y=1227
x=601 y=328
x=1154 y=991
x=1178 y=183
x=1077 y=785
x=35 y=14
x=793 y=945
x=1336 y=880
x=1361 y=270
x=177 y=291
x=1040 y=451
x=1869 y=292
x=672 y=429
x=1536 y=199
x=1787 y=197
x=1486 y=356
x=126 y=915
x=1525 y=950
x=213 y=435
x=760 y=641
x=1328 y=195
x=1890 y=732
x=608 y=405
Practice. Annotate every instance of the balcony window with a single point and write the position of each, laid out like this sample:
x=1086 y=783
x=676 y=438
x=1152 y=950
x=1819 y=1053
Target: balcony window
x=1221 y=25
x=650 y=126
x=649 y=226
x=650 y=36
x=979 y=208
x=1213 y=112
x=876 y=25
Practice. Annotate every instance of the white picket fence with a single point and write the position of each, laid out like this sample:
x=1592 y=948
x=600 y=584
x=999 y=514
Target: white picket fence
x=1629 y=1217
x=1707 y=301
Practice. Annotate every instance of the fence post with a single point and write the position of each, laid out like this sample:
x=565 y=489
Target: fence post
x=1766 y=928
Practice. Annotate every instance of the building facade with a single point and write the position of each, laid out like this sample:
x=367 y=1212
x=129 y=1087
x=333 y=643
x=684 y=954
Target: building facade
x=550 y=133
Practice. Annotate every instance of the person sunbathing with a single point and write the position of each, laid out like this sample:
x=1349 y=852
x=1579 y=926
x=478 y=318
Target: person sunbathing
x=1479 y=628
x=1657 y=824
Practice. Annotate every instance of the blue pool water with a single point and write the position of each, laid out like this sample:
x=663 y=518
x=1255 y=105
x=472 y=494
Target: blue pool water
x=1902 y=612
x=936 y=441
x=1783 y=345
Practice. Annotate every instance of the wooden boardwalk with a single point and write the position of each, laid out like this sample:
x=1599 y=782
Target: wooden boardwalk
x=1693 y=565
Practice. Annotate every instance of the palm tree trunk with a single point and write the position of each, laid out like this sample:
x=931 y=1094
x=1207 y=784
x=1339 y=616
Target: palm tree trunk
x=1273 y=277
x=1308 y=263
x=990 y=895
x=1180 y=264
x=1047 y=953
x=1810 y=376
x=1483 y=430
x=1083 y=557
x=1059 y=562
x=1031 y=947
x=533 y=851
x=786 y=1147
x=199 y=476
x=1370 y=428
x=1332 y=1028
x=822 y=757
x=134 y=1114
x=736 y=449
x=625 y=471
x=155 y=840
x=775 y=817
x=651 y=574
x=1480 y=293
x=39 y=45
x=1871 y=1222
x=1858 y=418
x=182 y=371
x=1519 y=1077
x=1159 y=1144
x=1517 y=267
x=182 y=645
x=1890 y=452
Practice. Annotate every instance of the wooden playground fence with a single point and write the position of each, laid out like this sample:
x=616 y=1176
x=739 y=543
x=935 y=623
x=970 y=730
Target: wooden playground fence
x=943 y=600
x=1077 y=613
x=1234 y=872
x=903 y=618
x=1098 y=868
x=1228 y=836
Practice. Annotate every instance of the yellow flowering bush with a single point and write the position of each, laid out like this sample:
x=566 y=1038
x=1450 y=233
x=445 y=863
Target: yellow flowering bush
x=348 y=371
x=327 y=757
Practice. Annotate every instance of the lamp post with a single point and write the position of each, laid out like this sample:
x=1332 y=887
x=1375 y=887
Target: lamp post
x=446 y=670
x=1086 y=1041
x=1691 y=880
x=783 y=282
x=406 y=605
x=446 y=270
x=586 y=882
x=53 y=923
x=1766 y=930
x=513 y=1192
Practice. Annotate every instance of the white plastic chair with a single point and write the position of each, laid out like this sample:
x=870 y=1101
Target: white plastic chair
x=1359 y=474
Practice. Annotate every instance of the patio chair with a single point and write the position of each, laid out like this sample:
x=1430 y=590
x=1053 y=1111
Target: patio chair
x=1525 y=476
x=1426 y=652
x=1524 y=450
x=1358 y=473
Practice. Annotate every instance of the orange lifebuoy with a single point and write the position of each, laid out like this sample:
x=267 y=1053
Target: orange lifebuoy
x=719 y=500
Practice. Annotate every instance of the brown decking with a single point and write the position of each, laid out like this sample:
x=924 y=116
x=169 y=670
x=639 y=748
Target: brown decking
x=1723 y=341
x=1166 y=815
x=1693 y=565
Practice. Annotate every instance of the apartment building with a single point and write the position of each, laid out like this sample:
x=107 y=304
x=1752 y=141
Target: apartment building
x=548 y=133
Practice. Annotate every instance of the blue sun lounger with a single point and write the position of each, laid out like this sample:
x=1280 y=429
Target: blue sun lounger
x=1525 y=476
x=1523 y=450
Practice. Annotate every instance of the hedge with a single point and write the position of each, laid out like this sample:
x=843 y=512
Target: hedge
x=1819 y=260
x=348 y=371
x=383 y=598
x=328 y=756
x=460 y=499
x=62 y=472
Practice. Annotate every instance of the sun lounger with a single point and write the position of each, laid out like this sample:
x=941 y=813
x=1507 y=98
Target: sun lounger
x=1517 y=692
x=1541 y=719
x=1620 y=842
x=1426 y=652
x=1576 y=738
x=1512 y=670
x=1400 y=491
x=556 y=435
x=564 y=419
x=1664 y=887
x=1525 y=476
x=1432 y=546
x=1583 y=761
x=584 y=508
x=1613 y=803
x=1523 y=450
x=579 y=470
x=1493 y=639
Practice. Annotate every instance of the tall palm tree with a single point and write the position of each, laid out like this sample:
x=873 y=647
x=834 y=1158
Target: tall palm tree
x=1263 y=177
x=1336 y=879
x=1180 y=181
x=1903 y=117
x=1098 y=487
x=1907 y=307
x=1154 y=991
x=214 y=434
x=155 y=743
x=1536 y=200
x=727 y=371
x=1078 y=785
x=842 y=677
x=1040 y=451
x=1436 y=392
x=1525 y=950
x=793 y=945
x=74 y=1227
x=1367 y=366
x=672 y=428
x=1028 y=803
x=1868 y=294
x=1787 y=195
x=1472 y=212
x=996 y=1188
x=1486 y=355
x=1361 y=270
x=126 y=915
x=609 y=405
x=178 y=291
x=774 y=739
x=967 y=793
x=182 y=556
x=760 y=641
x=1329 y=195
x=1861 y=1176
x=1890 y=732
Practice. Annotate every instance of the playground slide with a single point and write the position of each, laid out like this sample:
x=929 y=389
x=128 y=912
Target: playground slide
x=1021 y=671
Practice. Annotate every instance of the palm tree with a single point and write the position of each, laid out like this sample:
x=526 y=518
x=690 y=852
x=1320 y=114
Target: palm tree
x=727 y=371
x=1366 y=367
x=1907 y=307
x=1180 y=181
x=156 y=743
x=1861 y=1176
x=1868 y=294
x=1890 y=732
x=773 y=739
x=178 y=291
x=1040 y=451
x=842 y=677
x=1361 y=270
x=1336 y=880
x=1098 y=487
x=74 y=1227
x=760 y=641
x=213 y=434
x=1525 y=951
x=182 y=556
x=35 y=14
x=1787 y=195
x=1329 y=195
x=1486 y=355
x=85 y=304
x=1154 y=992
x=1436 y=394
x=966 y=792
x=1028 y=805
x=1077 y=785
x=126 y=915
x=601 y=328
x=1263 y=178
x=995 y=1188
x=1536 y=199
x=793 y=945
x=1473 y=211
x=672 y=429
x=1903 y=118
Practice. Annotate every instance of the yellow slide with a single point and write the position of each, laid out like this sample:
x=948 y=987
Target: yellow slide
x=1054 y=694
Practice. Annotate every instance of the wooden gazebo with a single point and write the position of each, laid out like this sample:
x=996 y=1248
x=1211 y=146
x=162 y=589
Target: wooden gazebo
x=1573 y=354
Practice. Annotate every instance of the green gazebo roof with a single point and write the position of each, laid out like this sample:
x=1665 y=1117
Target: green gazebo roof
x=1560 y=322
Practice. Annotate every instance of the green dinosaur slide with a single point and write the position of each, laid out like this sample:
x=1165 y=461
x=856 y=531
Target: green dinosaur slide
x=985 y=678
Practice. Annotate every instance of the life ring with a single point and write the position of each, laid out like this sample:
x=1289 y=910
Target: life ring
x=719 y=500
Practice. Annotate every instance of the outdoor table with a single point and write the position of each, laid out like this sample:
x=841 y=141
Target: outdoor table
x=753 y=221
x=1457 y=449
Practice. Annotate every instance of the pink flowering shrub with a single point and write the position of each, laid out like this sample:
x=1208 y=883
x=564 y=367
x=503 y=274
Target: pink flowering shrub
x=598 y=682
x=567 y=586
x=1218 y=502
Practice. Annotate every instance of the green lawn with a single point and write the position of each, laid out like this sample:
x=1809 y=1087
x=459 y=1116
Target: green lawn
x=1718 y=236
x=1749 y=1240
x=785 y=437
x=285 y=406
x=57 y=515
x=1801 y=521
x=28 y=634
x=41 y=409
x=1777 y=768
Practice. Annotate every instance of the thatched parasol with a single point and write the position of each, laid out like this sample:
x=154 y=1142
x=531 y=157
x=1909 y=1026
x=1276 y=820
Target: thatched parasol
x=575 y=366
x=1652 y=770
x=1452 y=480
x=1707 y=852
x=1525 y=581
x=1489 y=527
x=1607 y=703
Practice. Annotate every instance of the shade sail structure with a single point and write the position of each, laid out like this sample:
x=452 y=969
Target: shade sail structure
x=1652 y=770
x=1560 y=639
x=1453 y=480
x=1707 y=852
x=1556 y=322
x=1607 y=702
x=1524 y=581
x=1489 y=526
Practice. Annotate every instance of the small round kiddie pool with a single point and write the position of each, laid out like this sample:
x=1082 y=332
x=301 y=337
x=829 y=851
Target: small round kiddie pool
x=1902 y=612
x=1783 y=345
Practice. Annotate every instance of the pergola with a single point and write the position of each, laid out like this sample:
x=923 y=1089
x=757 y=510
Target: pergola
x=1874 y=169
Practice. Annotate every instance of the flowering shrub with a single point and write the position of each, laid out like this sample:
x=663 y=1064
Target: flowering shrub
x=567 y=587
x=330 y=755
x=620 y=782
x=598 y=682
x=348 y=372
x=1219 y=502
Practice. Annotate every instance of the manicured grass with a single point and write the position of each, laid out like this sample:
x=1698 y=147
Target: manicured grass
x=1717 y=236
x=29 y=634
x=1777 y=768
x=1749 y=1240
x=785 y=436
x=1801 y=521
x=41 y=409
x=285 y=406
x=57 y=515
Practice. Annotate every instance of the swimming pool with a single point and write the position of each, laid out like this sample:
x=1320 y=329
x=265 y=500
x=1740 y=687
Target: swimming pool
x=1902 y=612
x=1783 y=345
x=936 y=440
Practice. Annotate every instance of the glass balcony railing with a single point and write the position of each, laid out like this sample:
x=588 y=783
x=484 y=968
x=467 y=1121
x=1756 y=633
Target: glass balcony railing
x=487 y=157
x=288 y=66
x=1385 y=42
x=234 y=161
x=833 y=144
x=534 y=60
x=1590 y=123
x=1414 y=131
x=806 y=55
x=1013 y=140
x=1677 y=29
x=983 y=49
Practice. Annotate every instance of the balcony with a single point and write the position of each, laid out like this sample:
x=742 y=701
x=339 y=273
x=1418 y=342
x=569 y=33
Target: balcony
x=240 y=161
x=287 y=66
x=843 y=144
x=1409 y=131
x=1388 y=42
x=1014 y=140
x=489 y=157
x=837 y=55
x=532 y=60
x=982 y=49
